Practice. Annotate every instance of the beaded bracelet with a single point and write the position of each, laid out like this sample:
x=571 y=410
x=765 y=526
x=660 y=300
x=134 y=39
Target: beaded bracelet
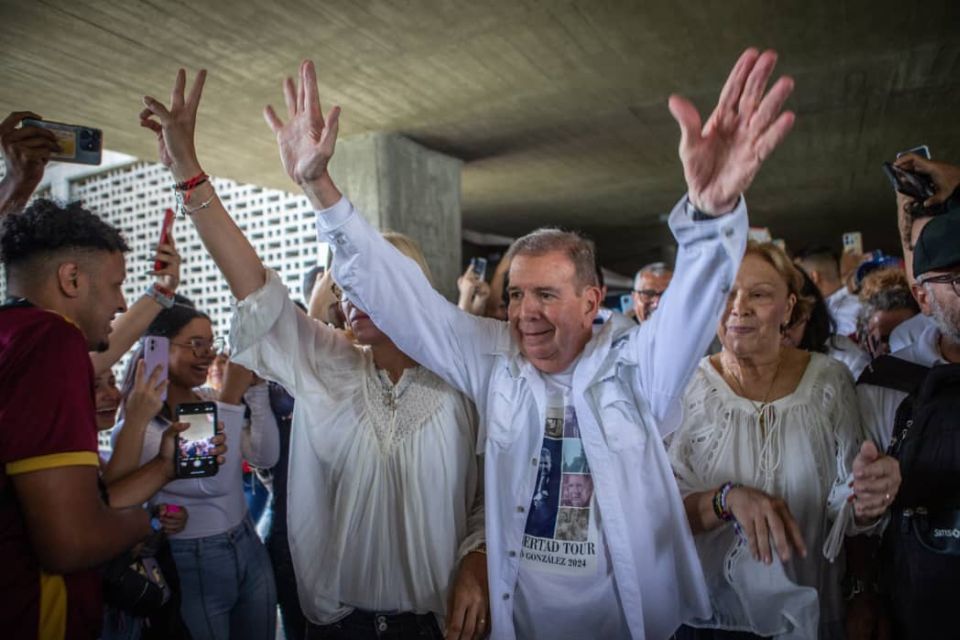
x=720 y=501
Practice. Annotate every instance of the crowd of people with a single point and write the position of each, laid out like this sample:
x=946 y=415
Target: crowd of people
x=759 y=446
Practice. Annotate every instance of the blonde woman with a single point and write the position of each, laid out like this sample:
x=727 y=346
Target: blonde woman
x=764 y=455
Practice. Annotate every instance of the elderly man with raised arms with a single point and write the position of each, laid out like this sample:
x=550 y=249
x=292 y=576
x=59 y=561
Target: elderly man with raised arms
x=624 y=565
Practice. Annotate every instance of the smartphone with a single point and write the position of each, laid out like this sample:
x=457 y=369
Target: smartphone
x=165 y=228
x=915 y=185
x=626 y=303
x=853 y=242
x=156 y=353
x=922 y=150
x=82 y=145
x=193 y=456
x=479 y=266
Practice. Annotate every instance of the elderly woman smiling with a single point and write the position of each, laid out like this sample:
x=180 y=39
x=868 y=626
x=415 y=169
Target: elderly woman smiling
x=767 y=448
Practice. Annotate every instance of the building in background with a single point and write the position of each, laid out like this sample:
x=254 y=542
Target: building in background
x=132 y=195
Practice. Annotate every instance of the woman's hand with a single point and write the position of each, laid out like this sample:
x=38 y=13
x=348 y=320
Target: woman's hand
x=761 y=515
x=146 y=398
x=172 y=517
x=175 y=126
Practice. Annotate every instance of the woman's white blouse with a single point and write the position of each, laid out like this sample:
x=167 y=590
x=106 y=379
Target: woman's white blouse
x=805 y=457
x=384 y=492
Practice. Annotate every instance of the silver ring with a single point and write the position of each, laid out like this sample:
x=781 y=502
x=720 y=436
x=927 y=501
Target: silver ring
x=887 y=497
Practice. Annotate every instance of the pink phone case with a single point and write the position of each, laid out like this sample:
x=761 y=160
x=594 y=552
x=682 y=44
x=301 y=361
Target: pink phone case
x=156 y=352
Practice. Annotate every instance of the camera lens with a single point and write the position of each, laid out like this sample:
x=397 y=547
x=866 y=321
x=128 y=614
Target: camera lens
x=89 y=139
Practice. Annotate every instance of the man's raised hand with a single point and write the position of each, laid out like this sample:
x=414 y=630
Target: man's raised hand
x=307 y=140
x=722 y=157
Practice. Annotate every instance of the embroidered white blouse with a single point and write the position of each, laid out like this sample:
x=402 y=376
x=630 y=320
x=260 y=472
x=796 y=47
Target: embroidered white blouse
x=384 y=491
x=804 y=457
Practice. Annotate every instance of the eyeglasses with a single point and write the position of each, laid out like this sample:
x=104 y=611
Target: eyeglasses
x=947 y=278
x=202 y=346
x=649 y=294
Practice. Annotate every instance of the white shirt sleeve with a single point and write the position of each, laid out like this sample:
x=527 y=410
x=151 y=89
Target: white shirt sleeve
x=272 y=337
x=394 y=292
x=260 y=437
x=669 y=345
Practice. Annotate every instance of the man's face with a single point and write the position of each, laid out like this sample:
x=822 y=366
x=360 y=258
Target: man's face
x=881 y=324
x=100 y=288
x=550 y=316
x=940 y=301
x=577 y=491
x=646 y=297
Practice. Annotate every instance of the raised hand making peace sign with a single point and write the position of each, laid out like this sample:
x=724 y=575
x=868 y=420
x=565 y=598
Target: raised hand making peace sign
x=721 y=158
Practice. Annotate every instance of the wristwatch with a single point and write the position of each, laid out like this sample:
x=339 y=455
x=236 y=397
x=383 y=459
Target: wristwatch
x=162 y=295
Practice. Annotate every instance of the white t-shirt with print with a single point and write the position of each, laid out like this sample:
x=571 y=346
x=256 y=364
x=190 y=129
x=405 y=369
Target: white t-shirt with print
x=565 y=568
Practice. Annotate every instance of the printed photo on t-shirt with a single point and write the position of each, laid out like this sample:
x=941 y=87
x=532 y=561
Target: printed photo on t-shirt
x=574 y=459
x=577 y=490
x=561 y=532
x=546 y=493
x=572 y=524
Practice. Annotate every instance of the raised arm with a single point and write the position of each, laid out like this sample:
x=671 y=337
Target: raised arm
x=174 y=127
x=720 y=160
x=130 y=326
x=376 y=277
x=26 y=152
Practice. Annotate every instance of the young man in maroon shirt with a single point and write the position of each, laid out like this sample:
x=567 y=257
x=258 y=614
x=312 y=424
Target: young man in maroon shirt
x=65 y=268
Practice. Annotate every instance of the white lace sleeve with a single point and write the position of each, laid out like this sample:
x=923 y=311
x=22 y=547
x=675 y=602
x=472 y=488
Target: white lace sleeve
x=844 y=411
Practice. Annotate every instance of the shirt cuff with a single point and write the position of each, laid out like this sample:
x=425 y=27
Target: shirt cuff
x=699 y=216
x=334 y=217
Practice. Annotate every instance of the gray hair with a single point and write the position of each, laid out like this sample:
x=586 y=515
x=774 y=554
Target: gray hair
x=579 y=250
x=656 y=269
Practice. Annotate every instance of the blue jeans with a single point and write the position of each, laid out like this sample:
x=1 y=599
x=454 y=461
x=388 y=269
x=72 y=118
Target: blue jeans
x=227 y=586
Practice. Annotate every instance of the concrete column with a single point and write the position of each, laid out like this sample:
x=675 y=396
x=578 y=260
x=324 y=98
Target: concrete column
x=399 y=185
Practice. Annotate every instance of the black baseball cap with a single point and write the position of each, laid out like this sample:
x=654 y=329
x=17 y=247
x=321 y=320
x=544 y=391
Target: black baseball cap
x=938 y=246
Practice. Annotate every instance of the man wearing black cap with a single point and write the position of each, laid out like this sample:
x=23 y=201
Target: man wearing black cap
x=936 y=267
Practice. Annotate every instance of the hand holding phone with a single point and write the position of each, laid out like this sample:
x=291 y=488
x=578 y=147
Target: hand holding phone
x=165 y=229
x=915 y=185
x=156 y=353
x=77 y=144
x=944 y=177
x=479 y=266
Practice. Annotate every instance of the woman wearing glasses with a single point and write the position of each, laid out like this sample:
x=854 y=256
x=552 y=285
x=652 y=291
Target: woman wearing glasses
x=225 y=576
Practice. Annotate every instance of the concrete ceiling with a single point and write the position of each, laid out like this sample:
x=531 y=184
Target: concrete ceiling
x=557 y=108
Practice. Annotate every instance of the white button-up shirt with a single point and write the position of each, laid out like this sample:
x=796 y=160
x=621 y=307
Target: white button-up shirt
x=626 y=382
x=845 y=309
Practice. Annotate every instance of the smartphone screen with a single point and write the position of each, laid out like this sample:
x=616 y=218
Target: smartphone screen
x=194 y=453
x=165 y=228
x=82 y=145
x=156 y=353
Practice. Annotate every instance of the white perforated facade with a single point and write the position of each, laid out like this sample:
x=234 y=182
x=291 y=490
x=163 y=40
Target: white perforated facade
x=133 y=198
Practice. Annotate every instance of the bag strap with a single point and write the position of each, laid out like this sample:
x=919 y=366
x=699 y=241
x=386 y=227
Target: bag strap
x=891 y=372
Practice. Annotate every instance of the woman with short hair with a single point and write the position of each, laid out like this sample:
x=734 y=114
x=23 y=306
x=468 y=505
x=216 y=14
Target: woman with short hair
x=769 y=437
